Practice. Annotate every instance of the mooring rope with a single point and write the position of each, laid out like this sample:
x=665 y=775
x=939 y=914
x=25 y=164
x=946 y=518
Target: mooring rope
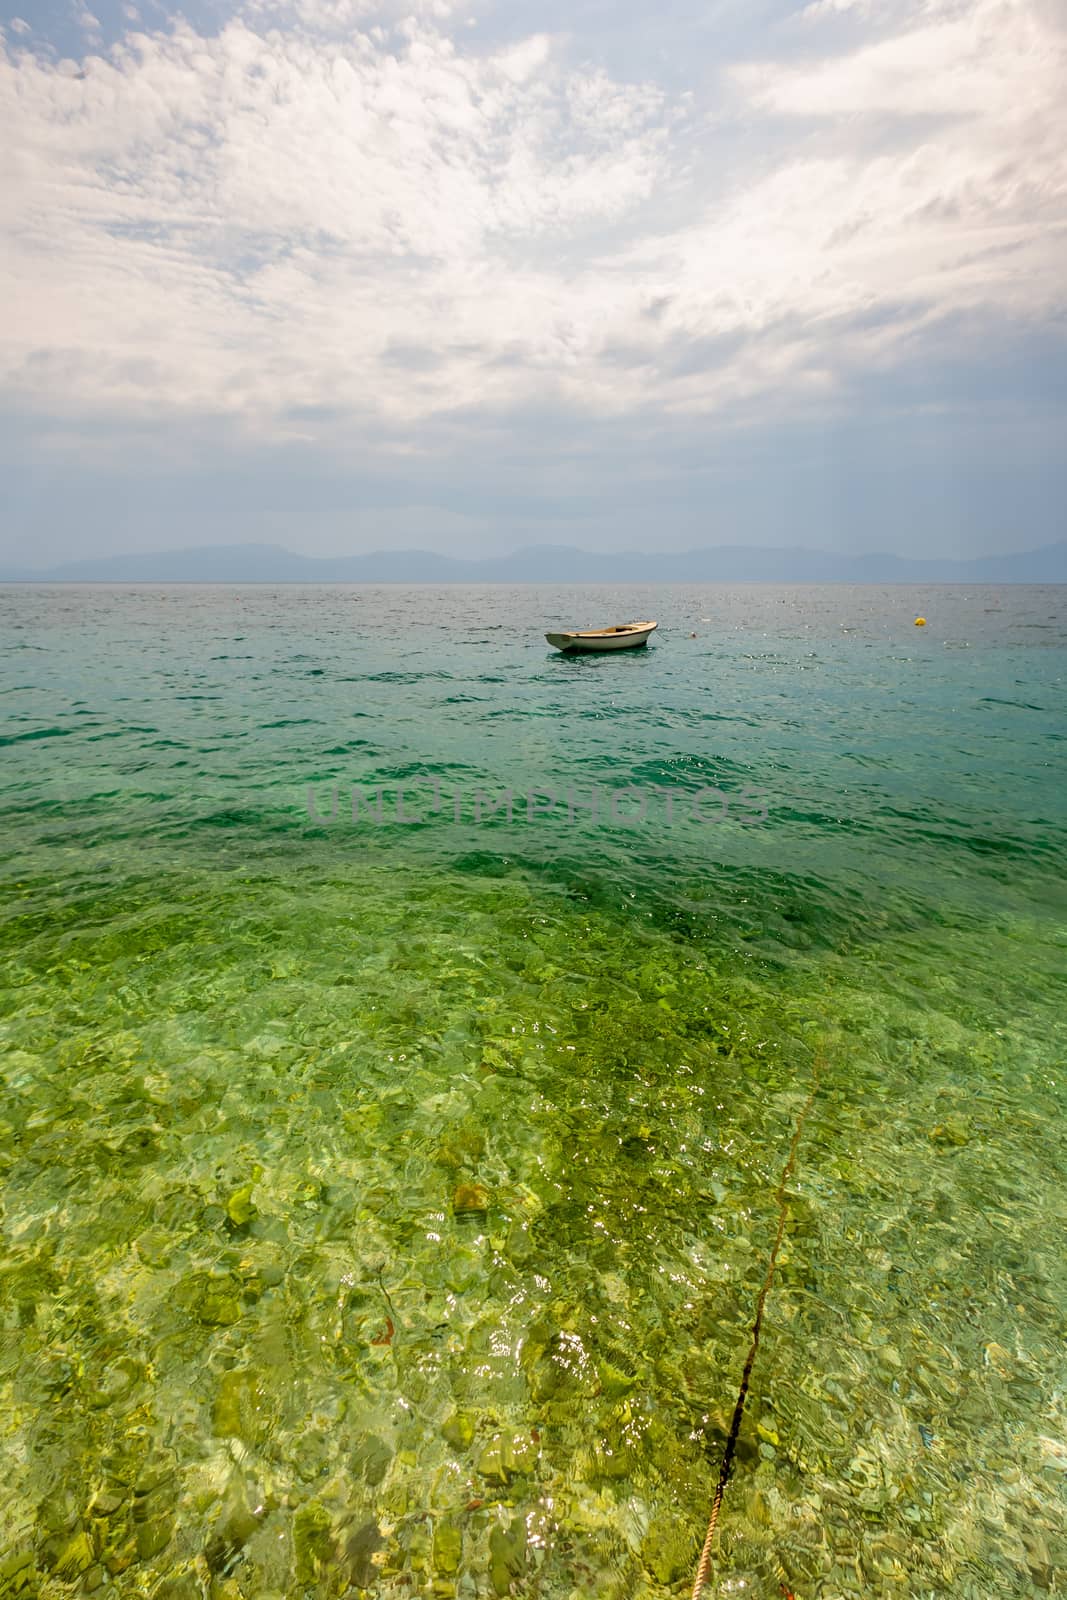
x=703 y=1572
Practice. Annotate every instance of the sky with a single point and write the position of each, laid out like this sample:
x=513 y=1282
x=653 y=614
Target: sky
x=348 y=275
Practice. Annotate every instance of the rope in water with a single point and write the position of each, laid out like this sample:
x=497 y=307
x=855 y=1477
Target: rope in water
x=703 y=1572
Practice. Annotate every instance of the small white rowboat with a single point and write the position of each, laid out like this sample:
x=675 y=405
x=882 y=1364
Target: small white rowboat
x=626 y=636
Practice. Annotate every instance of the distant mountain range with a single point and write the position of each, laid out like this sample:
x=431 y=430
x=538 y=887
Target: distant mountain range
x=268 y=563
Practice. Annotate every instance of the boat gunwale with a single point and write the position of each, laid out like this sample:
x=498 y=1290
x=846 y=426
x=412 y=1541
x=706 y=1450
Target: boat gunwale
x=607 y=633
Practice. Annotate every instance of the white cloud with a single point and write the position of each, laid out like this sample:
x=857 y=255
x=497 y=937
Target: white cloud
x=246 y=222
x=328 y=210
x=833 y=8
x=20 y=25
x=342 y=16
x=997 y=56
x=964 y=205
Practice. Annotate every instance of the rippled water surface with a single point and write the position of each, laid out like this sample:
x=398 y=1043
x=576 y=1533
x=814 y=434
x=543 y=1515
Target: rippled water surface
x=385 y=1198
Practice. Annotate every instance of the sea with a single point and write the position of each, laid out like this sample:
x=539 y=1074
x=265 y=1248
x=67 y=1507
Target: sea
x=404 y=1031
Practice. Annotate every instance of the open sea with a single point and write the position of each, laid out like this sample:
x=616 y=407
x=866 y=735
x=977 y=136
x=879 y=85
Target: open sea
x=386 y=1196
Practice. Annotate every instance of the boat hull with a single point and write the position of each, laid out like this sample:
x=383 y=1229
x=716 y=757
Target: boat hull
x=597 y=642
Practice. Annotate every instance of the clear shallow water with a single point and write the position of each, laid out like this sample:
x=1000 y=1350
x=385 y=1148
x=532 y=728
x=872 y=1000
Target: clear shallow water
x=385 y=1203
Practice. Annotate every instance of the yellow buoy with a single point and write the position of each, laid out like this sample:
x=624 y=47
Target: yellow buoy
x=920 y=622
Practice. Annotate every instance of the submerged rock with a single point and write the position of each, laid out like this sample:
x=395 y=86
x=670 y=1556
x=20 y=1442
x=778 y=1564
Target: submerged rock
x=75 y=1557
x=953 y=1133
x=668 y=1548
x=447 y=1546
x=470 y=1200
x=360 y=1549
x=507 y=1456
x=117 y=1381
x=313 y=1541
x=182 y=1587
x=371 y=1459
x=154 y=1247
x=154 y=1534
x=617 y=1377
x=240 y=1409
x=458 y=1430
x=507 y=1555
x=239 y=1207
x=213 y=1299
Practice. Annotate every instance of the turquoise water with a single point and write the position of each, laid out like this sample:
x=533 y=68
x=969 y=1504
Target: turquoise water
x=385 y=1201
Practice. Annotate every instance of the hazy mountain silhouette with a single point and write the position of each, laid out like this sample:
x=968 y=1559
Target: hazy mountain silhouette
x=268 y=563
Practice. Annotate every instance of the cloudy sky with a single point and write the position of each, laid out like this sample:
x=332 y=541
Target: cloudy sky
x=354 y=274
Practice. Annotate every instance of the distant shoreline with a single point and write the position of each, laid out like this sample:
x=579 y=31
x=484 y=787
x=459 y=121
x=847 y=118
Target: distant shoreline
x=531 y=583
x=272 y=565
